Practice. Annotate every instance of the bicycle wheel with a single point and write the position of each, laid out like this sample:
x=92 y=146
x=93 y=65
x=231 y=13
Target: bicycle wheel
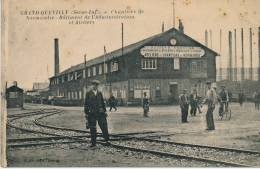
x=229 y=114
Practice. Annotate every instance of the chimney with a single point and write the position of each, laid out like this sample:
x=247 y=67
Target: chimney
x=15 y=83
x=230 y=72
x=259 y=53
x=251 y=55
x=56 y=57
x=163 y=27
x=235 y=53
x=206 y=38
x=242 y=55
x=181 y=27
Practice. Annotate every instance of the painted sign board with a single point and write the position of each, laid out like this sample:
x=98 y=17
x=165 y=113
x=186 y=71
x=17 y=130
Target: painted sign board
x=172 y=52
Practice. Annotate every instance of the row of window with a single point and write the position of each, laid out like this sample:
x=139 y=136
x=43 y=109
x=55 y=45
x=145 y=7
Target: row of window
x=152 y=64
x=91 y=71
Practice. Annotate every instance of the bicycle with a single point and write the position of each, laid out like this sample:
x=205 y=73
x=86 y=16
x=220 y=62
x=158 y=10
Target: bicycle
x=225 y=110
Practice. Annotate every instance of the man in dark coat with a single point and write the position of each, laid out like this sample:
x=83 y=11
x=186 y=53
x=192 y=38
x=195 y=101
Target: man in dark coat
x=112 y=102
x=193 y=102
x=184 y=104
x=241 y=97
x=95 y=110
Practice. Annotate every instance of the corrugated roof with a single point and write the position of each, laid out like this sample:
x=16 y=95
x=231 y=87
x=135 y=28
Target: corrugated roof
x=128 y=49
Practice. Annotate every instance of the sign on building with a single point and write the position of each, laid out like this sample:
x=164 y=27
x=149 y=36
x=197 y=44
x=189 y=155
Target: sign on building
x=172 y=52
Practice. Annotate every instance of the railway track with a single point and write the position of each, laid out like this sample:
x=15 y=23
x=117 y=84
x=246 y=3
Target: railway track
x=144 y=144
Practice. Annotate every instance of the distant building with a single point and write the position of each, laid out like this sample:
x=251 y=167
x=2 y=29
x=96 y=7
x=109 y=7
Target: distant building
x=38 y=94
x=14 y=97
x=162 y=66
x=40 y=85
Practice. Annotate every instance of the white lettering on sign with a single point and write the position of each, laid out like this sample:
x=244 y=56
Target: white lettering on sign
x=172 y=52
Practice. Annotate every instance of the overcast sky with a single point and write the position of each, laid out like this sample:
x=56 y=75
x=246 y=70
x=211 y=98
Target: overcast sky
x=31 y=44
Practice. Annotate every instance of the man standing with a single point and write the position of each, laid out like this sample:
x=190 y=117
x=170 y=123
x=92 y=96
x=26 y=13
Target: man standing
x=224 y=99
x=193 y=102
x=211 y=99
x=112 y=102
x=95 y=110
x=184 y=104
x=146 y=105
x=241 y=98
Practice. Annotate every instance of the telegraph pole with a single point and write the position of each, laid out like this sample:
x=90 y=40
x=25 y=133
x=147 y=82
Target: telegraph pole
x=251 y=55
x=173 y=14
x=242 y=55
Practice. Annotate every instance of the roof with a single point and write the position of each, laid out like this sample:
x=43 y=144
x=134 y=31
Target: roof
x=14 y=88
x=130 y=48
x=40 y=85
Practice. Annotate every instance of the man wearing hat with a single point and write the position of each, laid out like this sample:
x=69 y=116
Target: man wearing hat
x=95 y=110
x=211 y=100
x=184 y=104
x=224 y=99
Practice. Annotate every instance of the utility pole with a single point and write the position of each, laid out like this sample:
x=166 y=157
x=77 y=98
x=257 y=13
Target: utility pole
x=235 y=53
x=242 y=55
x=206 y=38
x=230 y=56
x=173 y=14
x=259 y=54
x=220 y=51
x=251 y=55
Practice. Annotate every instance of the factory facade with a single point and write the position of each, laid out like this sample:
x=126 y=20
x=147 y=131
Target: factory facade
x=162 y=66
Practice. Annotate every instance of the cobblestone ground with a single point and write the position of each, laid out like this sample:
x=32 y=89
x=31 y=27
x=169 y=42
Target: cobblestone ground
x=242 y=131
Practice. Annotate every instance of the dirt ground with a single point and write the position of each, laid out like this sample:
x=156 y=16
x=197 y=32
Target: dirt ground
x=242 y=131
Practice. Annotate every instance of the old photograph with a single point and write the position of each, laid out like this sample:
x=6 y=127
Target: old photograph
x=130 y=83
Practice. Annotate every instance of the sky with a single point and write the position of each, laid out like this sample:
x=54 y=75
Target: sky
x=30 y=44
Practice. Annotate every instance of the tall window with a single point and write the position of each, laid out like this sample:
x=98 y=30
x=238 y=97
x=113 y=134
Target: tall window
x=114 y=66
x=94 y=70
x=176 y=64
x=105 y=68
x=100 y=69
x=149 y=63
x=84 y=73
x=89 y=72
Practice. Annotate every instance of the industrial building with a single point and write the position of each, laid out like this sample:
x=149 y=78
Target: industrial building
x=14 y=96
x=162 y=66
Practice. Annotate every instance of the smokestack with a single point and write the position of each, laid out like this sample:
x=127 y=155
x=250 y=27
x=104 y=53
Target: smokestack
x=206 y=38
x=258 y=53
x=242 y=55
x=181 y=27
x=122 y=39
x=163 y=27
x=220 y=50
x=56 y=57
x=210 y=37
x=251 y=55
x=235 y=53
x=230 y=56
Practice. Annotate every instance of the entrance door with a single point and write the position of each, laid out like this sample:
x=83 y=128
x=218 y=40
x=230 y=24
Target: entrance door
x=173 y=98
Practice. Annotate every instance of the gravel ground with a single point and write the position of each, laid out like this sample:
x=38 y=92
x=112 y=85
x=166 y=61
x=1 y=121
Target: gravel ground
x=242 y=158
x=241 y=132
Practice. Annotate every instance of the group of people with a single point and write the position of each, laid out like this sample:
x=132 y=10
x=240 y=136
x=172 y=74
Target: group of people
x=95 y=108
x=185 y=101
x=256 y=98
x=212 y=98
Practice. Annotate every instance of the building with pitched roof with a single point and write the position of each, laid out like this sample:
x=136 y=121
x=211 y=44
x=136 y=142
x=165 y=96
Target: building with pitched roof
x=161 y=65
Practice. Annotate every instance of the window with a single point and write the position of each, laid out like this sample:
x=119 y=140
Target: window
x=100 y=69
x=94 y=71
x=84 y=73
x=149 y=63
x=105 y=68
x=89 y=72
x=80 y=94
x=62 y=79
x=76 y=75
x=114 y=66
x=176 y=64
x=13 y=95
x=197 y=66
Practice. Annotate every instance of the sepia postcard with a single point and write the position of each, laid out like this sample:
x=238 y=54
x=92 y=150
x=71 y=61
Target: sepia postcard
x=130 y=83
